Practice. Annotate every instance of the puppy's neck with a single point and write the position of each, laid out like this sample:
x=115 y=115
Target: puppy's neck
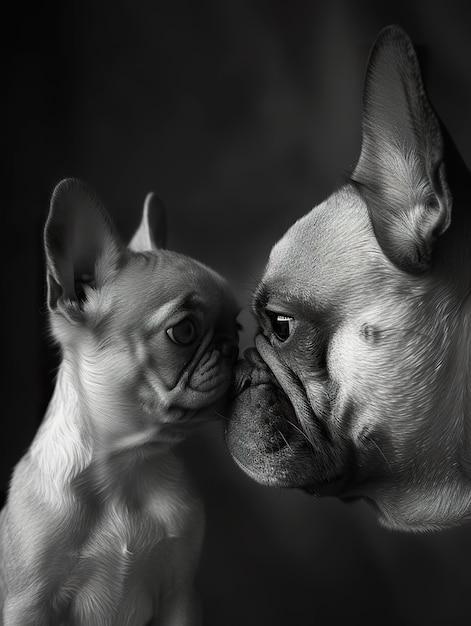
x=97 y=436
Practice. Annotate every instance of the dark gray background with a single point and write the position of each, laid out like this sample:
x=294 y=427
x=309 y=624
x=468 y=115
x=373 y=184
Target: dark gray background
x=242 y=116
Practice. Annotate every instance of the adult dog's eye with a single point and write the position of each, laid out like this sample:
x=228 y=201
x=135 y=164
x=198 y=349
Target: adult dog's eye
x=183 y=333
x=282 y=325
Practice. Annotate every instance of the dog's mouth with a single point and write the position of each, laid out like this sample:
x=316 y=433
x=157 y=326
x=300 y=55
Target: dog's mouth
x=263 y=431
x=287 y=398
x=267 y=438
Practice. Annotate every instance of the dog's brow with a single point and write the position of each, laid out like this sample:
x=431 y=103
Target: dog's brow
x=260 y=297
x=263 y=297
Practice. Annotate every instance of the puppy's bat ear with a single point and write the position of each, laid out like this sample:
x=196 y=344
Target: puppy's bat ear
x=152 y=231
x=400 y=172
x=81 y=246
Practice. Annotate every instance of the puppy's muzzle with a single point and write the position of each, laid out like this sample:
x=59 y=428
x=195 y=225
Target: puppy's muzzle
x=221 y=353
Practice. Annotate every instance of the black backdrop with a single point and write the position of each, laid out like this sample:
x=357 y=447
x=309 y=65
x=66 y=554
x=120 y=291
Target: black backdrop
x=242 y=116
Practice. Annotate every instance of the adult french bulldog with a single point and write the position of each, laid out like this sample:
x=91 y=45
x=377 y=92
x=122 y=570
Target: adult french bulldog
x=360 y=384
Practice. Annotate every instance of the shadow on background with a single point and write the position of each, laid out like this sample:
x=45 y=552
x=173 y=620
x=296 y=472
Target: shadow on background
x=241 y=116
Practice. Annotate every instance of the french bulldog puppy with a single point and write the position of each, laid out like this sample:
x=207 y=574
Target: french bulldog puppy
x=359 y=384
x=102 y=525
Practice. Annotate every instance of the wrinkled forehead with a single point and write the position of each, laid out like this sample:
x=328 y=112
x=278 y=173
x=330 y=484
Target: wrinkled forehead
x=155 y=279
x=330 y=249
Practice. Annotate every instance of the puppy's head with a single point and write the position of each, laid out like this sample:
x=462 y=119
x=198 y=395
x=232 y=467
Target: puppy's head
x=148 y=330
x=358 y=385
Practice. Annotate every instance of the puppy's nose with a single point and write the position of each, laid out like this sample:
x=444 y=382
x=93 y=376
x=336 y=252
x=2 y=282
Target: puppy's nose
x=229 y=349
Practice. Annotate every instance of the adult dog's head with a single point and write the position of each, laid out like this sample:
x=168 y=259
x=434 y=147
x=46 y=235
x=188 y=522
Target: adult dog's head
x=359 y=384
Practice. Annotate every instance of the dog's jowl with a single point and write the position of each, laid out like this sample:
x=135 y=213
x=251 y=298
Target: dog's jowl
x=102 y=525
x=360 y=382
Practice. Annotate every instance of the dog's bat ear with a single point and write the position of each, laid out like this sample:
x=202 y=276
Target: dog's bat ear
x=81 y=246
x=152 y=231
x=400 y=171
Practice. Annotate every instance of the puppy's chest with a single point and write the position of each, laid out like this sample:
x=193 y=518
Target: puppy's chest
x=131 y=530
x=135 y=545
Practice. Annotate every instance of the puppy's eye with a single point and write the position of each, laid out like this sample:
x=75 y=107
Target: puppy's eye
x=282 y=325
x=183 y=333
